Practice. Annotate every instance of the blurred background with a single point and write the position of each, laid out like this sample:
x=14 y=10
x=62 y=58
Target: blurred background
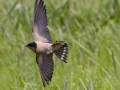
x=90 y=27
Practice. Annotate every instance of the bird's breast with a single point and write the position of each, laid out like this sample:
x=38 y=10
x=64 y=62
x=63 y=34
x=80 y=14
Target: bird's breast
x=43 y=47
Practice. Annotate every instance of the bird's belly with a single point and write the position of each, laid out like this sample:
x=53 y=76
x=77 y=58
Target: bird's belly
x=40 y=50
x=42 y=47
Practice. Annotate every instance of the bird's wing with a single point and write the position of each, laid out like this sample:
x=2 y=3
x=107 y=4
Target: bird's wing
x=40 y=30
x=45 y=64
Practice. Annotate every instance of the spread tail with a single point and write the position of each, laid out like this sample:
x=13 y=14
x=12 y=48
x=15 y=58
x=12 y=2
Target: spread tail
x=60 y=49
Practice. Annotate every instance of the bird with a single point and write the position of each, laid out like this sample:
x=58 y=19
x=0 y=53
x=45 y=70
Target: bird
x=43 y=46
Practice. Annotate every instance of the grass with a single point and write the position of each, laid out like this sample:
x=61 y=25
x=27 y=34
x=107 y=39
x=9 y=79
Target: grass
x=90 y=27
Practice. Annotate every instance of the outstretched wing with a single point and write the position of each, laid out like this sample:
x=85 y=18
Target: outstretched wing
x=45 y=63
x=40 y=30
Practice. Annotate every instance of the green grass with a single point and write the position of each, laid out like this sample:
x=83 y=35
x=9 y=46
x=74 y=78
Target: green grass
x=90 y=27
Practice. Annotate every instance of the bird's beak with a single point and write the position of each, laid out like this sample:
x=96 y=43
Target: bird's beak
x=26 y=46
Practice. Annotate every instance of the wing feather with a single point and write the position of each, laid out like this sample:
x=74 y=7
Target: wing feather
x=45 y=64
x=40 y=30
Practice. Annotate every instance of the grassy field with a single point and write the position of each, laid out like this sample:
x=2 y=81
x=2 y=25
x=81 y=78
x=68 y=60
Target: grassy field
x=90 y=27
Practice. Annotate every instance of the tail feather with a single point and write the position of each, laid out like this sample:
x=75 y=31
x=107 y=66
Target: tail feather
x=60 y=49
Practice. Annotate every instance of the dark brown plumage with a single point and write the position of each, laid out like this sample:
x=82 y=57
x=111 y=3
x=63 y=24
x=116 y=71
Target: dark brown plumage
x=45 y=63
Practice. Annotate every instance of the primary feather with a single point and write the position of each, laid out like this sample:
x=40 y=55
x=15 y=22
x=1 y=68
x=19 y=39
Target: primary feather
x=40 y=30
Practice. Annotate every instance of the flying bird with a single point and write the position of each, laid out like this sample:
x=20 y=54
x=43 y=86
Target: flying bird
x=42 y=44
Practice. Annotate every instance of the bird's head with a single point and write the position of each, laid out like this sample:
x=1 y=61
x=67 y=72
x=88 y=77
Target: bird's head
x=32 y=46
